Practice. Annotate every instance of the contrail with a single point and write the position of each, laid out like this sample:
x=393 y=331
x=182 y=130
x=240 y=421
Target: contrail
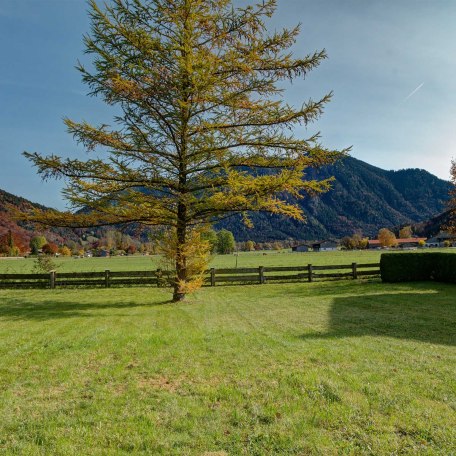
x=413 y=92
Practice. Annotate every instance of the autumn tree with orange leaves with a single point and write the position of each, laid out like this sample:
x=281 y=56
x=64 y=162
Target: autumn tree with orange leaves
x=198 y=86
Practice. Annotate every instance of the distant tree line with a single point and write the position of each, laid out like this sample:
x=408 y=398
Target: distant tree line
x=355 y=242
x=113 y=242
x=386 y=238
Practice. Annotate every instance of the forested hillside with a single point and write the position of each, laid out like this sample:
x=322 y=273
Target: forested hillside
x=364 y=198
x=26 y=231
x=434 y=225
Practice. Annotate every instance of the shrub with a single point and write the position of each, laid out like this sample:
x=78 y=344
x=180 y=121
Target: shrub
x=50 y=248
x=44 y=264
x=197 y=256
x=412 y=267
x=64 y=251
x=250 y=246
x=354 y=242
x=131 y=249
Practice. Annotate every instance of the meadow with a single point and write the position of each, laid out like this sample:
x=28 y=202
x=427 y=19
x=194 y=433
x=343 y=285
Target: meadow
x=242 y=260
x=324 y=368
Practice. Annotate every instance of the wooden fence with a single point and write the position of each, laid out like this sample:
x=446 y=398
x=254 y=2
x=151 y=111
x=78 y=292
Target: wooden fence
x=158 y=278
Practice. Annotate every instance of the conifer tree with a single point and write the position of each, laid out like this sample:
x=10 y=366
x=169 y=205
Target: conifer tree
x=198 y=87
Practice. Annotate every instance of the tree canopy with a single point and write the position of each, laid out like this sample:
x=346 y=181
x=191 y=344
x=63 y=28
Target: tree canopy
x=202 y=130
x=37 y=243
x=225 y=242
x=405 y=232
x=387 y=238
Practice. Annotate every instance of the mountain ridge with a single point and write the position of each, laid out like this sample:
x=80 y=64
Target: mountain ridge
x=363 y=199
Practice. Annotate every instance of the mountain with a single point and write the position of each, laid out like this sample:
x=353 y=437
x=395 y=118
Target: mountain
x=364 y=198
x=434 y=225
x=26 y=231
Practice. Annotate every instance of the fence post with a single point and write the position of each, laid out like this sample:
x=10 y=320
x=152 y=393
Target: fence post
x=107 y=278
x=261 y=272
x=212 y=277
x=310 y=272
x=159 y=278
x=52 y=279
x=355 y=270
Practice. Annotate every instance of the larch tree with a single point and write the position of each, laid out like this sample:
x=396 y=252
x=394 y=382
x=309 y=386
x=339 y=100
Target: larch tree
x=202 y=130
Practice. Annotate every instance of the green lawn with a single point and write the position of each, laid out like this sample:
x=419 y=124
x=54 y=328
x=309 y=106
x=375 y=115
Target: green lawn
x=293 y=369
x=253 y=259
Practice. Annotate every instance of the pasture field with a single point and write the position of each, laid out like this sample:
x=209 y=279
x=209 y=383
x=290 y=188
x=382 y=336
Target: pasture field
x=243 y=260
x=329 y=368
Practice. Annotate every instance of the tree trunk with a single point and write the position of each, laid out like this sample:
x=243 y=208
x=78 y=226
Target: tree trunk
x=181 y=260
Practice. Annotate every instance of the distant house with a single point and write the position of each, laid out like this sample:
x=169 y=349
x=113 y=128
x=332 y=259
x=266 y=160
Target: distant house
x=440 y=239
x=402 y=243
x=433 y=242
x=410 y=242
x=324 y=246
x=301 y=248
x=374 y=244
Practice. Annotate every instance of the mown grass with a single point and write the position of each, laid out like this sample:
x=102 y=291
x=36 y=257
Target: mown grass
x=292 y=369
x=250 y=259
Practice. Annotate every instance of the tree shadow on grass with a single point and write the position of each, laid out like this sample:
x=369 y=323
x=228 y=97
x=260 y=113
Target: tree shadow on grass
x=427 y=314
x=24 y=309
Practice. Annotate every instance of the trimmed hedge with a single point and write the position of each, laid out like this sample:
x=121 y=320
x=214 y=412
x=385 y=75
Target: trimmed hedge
x=446 y=270
x=413 y=267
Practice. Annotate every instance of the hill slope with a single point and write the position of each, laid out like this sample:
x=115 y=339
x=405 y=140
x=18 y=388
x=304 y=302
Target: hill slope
x=435 y=225
x=364 y=198
x=26 y=231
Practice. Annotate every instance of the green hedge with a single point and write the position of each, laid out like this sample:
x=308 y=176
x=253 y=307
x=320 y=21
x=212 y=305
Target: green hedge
x=446 y=270
x=412 y=267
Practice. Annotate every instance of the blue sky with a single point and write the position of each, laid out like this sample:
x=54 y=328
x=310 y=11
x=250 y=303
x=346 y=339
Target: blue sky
x=392 y=67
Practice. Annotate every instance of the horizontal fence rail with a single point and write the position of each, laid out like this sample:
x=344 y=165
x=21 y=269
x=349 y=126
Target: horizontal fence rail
x=292 y=273
x=159 y=278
